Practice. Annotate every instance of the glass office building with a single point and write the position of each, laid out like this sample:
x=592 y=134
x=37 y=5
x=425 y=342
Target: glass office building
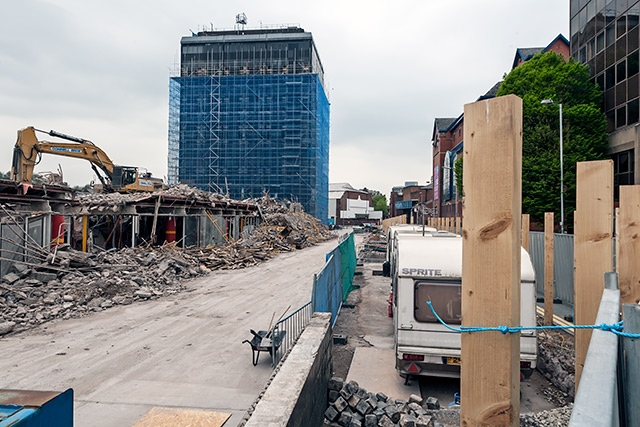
x=606 y=36
x=249 y=115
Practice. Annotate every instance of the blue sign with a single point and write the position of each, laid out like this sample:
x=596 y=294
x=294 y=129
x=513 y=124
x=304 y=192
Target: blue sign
x=404 y=204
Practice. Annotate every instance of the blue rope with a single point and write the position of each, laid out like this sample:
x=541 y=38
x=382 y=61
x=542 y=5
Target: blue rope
x=616 y=328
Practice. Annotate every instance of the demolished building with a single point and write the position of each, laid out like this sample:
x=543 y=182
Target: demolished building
x=38 y=216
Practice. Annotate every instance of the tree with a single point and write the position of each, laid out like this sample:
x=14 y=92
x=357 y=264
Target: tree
x=548 y=76
x=457 y=171
x=380 y=204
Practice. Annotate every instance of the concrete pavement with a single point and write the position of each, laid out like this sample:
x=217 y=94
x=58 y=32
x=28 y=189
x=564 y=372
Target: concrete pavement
x=184 y=351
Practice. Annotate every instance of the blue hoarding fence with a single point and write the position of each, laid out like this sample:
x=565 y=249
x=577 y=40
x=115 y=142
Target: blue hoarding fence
x=332 y=284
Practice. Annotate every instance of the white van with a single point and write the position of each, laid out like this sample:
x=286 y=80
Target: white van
x=429 y=268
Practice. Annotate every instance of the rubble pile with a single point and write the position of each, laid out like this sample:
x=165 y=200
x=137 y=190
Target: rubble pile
x=113 y=200
x=72 y=283
x=69 y=283
x=290 y=223
x=556 y=361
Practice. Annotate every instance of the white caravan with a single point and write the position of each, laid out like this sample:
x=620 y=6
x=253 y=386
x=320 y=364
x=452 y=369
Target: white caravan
x=429 y=268
x=392 y=234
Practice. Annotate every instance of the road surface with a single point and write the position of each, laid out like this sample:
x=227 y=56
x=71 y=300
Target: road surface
x=182 y=351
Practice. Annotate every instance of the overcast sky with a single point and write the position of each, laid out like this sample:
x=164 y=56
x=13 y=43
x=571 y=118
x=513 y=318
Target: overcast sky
x=100 y=70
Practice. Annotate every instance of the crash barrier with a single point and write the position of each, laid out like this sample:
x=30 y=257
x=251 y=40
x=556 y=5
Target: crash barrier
x=609 y=390
x=332 y=284
x=287 y=330
x=297 y=394
x=562 y=264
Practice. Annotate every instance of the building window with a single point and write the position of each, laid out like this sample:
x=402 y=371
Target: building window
x=621 y=26
x=632 y=112
x=623 y=166
x=632 y=64
x=621 y=116
x=621 y=71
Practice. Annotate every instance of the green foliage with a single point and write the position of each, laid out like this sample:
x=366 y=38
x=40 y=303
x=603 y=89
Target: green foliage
x=548 y=76
x=457 y=170
x=380 y=204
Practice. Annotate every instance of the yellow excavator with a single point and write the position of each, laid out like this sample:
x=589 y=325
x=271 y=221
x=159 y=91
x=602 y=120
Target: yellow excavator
x=28 y=150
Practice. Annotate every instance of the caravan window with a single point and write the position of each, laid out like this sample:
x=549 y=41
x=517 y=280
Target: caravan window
x=446 y=298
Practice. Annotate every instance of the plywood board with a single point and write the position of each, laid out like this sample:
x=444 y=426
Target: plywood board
x=628 y=240
x=171 y=417
x=593 y=247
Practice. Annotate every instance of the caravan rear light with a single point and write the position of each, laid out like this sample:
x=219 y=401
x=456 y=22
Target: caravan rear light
x=525 y=365
x=413 y=357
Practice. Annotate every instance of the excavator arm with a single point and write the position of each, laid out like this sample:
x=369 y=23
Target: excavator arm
x=28 y=149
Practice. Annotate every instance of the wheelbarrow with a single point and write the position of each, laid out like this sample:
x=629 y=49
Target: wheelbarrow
x=263 y=341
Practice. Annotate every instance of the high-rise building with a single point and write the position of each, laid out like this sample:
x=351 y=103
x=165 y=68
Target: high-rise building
x=249 y=115
x=605 y=35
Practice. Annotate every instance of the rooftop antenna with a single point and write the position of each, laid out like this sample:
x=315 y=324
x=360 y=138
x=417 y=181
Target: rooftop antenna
x=241 y=19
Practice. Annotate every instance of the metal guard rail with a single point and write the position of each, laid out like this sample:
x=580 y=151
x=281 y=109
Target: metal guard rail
x=289 y=329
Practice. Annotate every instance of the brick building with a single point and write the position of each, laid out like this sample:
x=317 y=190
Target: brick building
x=410 y=200
x=348 y=206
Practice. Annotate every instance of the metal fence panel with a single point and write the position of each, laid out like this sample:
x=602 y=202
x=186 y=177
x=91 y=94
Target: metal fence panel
x=562 y=261
x=286 y=332
x=11 y=246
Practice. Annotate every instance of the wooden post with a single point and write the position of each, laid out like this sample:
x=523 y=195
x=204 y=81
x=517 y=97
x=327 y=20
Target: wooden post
x=548 y=268
x=490 y=369
x=525 y=231
x=85 y=226
x=593 y=247
x=628 y=242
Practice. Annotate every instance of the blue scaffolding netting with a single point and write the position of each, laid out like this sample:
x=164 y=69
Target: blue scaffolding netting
x=247 y=136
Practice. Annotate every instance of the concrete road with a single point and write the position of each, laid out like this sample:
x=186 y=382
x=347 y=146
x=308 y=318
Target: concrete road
x=182 y=351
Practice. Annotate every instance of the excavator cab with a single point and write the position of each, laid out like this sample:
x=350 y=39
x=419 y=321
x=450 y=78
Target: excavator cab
x=123 y=176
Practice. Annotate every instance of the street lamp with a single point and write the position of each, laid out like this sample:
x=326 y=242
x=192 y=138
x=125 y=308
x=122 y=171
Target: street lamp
x=549 y=102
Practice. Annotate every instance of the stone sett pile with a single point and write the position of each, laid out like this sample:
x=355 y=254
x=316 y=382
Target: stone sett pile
x=353 y=406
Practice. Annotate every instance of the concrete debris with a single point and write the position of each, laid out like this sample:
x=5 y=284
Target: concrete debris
x=182 y=191
x=68 y=283
x=554 y=417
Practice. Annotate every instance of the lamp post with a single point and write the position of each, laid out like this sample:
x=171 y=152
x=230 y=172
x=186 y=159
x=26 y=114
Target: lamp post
x=549 y=102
